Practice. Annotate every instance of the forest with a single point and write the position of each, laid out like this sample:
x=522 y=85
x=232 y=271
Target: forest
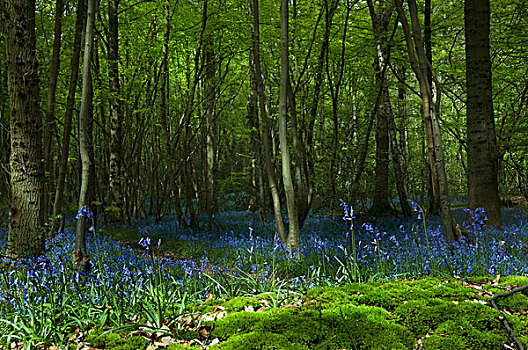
x=292 y=174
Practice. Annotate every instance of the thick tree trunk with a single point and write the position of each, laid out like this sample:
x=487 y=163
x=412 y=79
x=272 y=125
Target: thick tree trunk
x=70 y=102
x=266 y=142
x=115 y=195
x=81 y=258
x=26 y=234
x=482 y=151
x=380 y=202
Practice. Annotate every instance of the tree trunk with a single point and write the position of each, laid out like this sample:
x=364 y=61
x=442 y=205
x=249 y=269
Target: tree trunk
x=482 y=151
x=266 y=142
x=27 y=176
x=70 y=102
x=383 y=54
x=436 y=156
x=380 y=203
x=434 y=194
x=50 y=113
x=334 y=92
x=210 y=121
x=293 y=234
x=115 y=195
x=81 y=258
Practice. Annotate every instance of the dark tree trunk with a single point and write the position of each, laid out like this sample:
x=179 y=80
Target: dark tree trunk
x=70 y=102
x=26 y=234
x=115 y=195
x=482 y=152
x=379 y=26
x=50 y=113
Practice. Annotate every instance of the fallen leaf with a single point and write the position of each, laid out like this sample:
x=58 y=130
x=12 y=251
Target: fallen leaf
x=203 y=332
x=209 y=297
x=496 y=280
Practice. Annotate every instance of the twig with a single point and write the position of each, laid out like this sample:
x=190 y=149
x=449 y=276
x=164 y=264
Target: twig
x=502 y=318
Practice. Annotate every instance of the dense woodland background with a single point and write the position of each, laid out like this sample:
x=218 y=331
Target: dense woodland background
x=144 y=108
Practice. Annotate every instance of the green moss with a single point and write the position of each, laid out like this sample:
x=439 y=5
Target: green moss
x=462 y=334
x=344 y=327
x=422 y=316
x=133 y=343
x=259 y=341
x=106 y=341
x=183 y=347
x=364 y=327
x=239 y=303
x=241 y=322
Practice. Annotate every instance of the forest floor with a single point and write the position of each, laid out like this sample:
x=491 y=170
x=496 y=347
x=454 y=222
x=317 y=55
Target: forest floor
x=423 y=313
x=235 y=288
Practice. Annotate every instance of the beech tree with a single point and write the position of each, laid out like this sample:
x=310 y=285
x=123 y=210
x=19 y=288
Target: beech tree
x=26 y=234
x=482 y=152
x=80 y=254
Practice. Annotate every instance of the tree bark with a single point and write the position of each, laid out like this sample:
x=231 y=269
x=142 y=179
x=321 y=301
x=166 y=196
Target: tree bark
x=291 y=205
x=482 y=151
x=434 y=138
x=210 y=120
x=115 y=195
x=266 y=142
x=81 y=258
x=50 y=113
x=380 y=25
x=26 y=234
x=70 y=102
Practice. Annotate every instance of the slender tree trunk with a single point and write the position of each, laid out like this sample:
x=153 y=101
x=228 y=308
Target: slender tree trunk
x=436 y=155
x=293 y=234
x=27 y=174
x=187 y=171
x=334 y=92
x=210 y=120
x=81 y=258
x=115 y=195
x=380 y=202
x=50 y=113
x=70 y=102
x=482 y=152
x=266 y=142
